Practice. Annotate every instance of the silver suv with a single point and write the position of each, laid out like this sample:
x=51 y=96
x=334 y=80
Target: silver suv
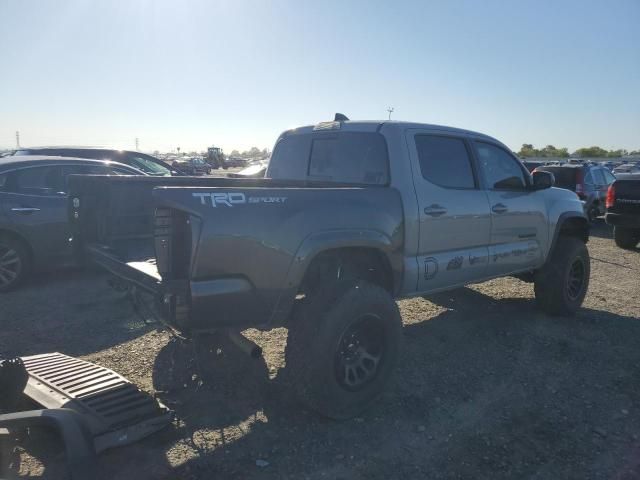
x=590 y=182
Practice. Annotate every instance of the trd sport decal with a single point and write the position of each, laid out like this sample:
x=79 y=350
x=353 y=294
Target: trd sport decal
x=233 y=198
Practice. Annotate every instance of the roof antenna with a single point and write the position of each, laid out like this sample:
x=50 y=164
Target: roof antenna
x=340 y=117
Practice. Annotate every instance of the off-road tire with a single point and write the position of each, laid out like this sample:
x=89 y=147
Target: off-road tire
x=556 y=284
x=13 y=251
x=317 y=337
x=626 y=238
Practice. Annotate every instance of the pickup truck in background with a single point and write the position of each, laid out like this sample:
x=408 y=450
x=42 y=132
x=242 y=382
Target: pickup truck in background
x=623 y=210
x=350 y=217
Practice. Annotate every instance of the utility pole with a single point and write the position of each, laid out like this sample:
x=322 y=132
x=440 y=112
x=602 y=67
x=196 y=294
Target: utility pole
x=390 y=110
x=17 y=139
x=137 y=144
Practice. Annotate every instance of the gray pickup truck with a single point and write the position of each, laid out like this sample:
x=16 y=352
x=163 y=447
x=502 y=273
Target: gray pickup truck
x=350 y=217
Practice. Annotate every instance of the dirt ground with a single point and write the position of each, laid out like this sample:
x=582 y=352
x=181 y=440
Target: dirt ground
x=487 y=387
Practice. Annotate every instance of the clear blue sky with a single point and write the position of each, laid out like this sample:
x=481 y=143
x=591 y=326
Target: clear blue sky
x=235 y=73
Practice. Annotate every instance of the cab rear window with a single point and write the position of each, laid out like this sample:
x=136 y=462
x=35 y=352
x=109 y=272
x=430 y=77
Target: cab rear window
x=343 y=157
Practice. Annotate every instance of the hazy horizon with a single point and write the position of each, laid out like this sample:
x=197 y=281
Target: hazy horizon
x=236 y=73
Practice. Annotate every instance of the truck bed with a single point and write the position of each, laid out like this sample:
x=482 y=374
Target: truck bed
x=224 y=250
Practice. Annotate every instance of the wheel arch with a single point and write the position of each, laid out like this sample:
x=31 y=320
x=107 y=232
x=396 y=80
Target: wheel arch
x=361 y=248
x=570 y=224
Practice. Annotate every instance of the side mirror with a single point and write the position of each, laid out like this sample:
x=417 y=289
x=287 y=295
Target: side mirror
x=542 y=180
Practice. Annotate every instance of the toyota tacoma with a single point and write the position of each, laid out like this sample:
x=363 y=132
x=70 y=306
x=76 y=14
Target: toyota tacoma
x=350 y=217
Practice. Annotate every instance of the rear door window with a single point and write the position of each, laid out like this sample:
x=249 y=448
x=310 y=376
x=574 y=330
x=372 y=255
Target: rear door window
x=349 y=157
x=45 y=181
x=445 y=161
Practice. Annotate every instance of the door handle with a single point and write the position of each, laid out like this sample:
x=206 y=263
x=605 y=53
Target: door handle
x=499 y=208
x=25 y=209
x=435 y=210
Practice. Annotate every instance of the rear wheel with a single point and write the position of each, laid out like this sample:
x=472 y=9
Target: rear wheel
x=14 y=263
x=562 y=283
x=626 y=238
x=342 y=348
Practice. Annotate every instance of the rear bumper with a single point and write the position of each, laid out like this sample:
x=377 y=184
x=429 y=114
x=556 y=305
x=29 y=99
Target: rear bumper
x=623 y=219
x=198 y=305
x=223 y=303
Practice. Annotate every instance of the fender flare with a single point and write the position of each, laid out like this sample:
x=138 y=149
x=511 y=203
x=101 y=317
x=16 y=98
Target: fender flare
x=562 y=220
x=73 y=430
x=319 y=242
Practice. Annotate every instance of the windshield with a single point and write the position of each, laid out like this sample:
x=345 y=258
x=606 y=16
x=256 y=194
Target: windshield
x=148 y=166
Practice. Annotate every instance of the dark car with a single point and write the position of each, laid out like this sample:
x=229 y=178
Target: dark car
x=192 y=166
x=140 y=161
x=531 y=165
x=588 y=181
x=623 y=210
x=34 y=229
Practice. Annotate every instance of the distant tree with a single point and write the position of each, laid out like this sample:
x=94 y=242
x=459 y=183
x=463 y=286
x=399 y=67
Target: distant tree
x=591 y=152
x=617 y=153
x=527 y=150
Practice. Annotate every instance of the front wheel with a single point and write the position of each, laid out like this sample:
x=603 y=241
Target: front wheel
x=561 y=284
x=342 y=348
x=626 y=238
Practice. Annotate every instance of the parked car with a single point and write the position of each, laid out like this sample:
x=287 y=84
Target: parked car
x=140 y=161
x=351 y=216
x=532 y=165
x=234 y=162
x=192 y=165
x=34 y=227
x=626 y=168
x=255 y=170
x=588 y=181
x=623 y=210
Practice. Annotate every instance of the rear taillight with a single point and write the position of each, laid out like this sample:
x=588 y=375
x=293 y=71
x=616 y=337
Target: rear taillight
x=611 y=196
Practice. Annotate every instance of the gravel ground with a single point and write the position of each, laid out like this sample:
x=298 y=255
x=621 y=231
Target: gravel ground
x=487 y=387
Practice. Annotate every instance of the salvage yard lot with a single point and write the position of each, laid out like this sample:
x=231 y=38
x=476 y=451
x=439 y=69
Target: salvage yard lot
x=486 y=387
